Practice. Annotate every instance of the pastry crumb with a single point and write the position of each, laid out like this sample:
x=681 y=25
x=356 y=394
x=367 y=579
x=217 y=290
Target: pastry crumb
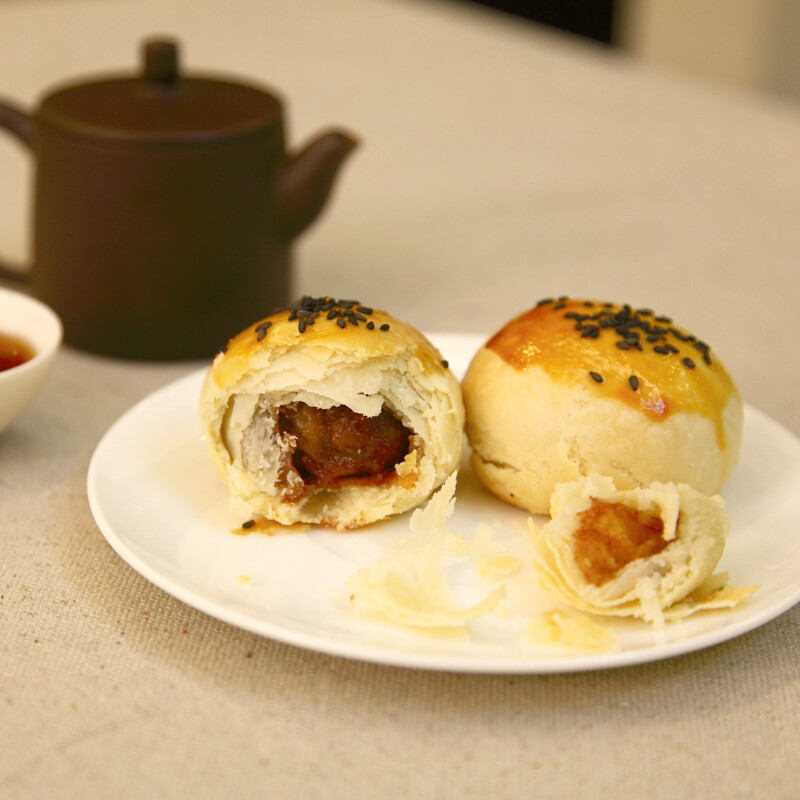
x=571 y=630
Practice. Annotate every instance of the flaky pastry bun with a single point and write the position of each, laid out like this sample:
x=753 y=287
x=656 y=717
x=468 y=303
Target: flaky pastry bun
x=574 y=387
x=331 y=412
x=648 y=552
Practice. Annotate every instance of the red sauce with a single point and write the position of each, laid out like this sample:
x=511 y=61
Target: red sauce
x=13 y=352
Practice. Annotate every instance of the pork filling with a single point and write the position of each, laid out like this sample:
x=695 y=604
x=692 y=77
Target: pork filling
x=336 y=447
x=611 y=535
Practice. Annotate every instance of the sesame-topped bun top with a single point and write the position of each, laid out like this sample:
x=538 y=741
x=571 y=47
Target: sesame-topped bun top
x=321 y=324
x=636 y=356
x=573 y=386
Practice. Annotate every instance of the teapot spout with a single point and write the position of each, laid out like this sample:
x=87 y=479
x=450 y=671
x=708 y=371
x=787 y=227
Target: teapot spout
x=304 y=182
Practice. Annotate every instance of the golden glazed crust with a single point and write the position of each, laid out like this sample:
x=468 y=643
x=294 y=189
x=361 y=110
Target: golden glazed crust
x=327 y=353
x=635 y=398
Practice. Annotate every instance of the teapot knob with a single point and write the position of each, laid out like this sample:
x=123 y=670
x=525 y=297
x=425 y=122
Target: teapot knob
x=161 y=62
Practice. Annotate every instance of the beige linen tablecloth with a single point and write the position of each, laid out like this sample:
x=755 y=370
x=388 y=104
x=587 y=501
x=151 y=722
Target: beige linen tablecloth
x=499 y=164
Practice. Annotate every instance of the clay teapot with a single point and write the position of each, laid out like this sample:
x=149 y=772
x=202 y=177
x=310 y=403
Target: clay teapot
x=165 y=206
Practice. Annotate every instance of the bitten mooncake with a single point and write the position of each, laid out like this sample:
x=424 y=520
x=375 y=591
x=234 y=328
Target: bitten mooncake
x=331 y=412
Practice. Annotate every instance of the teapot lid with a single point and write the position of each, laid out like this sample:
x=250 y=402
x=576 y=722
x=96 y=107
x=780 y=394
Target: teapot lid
x=161 y=105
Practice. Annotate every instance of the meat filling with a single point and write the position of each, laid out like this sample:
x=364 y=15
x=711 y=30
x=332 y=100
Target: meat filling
x=336 y=446
x=611 y=535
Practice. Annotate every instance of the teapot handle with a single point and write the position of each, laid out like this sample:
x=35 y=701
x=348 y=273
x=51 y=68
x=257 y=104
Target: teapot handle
x=20 y=124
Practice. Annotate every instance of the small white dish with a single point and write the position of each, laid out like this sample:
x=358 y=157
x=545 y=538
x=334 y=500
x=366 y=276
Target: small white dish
x=37 y=325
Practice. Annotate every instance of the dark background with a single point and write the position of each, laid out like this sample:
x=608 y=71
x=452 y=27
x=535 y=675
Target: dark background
x=592 y=19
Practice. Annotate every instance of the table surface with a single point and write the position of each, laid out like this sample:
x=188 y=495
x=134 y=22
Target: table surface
x=500 y=163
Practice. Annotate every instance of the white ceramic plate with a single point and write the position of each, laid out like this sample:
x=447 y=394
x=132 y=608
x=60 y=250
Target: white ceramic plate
x=161 y=505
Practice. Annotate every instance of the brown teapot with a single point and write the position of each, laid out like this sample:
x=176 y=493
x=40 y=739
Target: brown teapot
x=165 y=206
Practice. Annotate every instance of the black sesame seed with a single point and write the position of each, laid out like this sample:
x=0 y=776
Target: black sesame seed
x=385 y=326
x=301 y=325
x=623 y=320
x=249 y=524
x=341 y=322
x=545 y=301
x=703 y=348
x=308 y=309
x=688 y=362
x=597 y=377
x=371 y=325
x=634 y=382
x=445 y=363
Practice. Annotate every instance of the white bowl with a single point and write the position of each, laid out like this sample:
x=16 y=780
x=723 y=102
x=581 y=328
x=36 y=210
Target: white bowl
x=39 y=326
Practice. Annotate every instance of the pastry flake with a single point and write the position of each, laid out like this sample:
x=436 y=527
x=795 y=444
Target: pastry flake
x=559 y=629
x=408 y=583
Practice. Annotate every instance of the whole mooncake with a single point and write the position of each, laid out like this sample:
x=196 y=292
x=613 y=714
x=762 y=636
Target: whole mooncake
x=577 y=387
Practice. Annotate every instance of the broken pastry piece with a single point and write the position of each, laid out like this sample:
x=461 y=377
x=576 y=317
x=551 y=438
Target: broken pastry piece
x=331 y=412
x=648 y=553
